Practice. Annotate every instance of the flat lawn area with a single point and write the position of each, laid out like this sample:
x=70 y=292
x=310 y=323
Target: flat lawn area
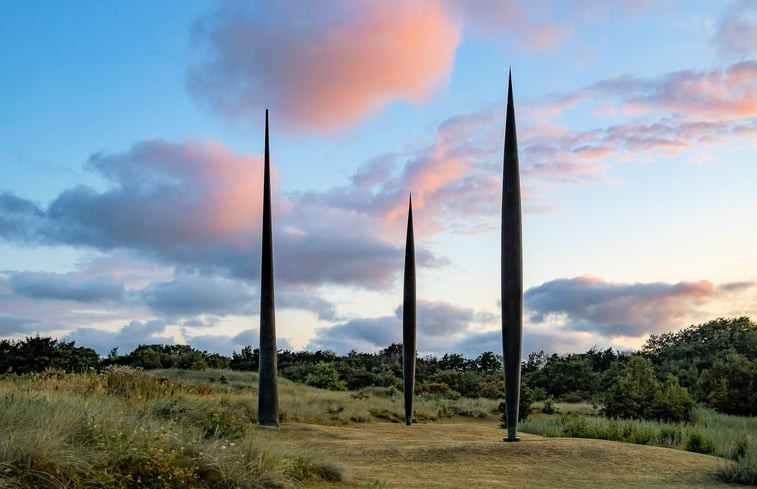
x=469 y=454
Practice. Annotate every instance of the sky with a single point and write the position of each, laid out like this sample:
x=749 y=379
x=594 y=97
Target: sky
x=131 y=142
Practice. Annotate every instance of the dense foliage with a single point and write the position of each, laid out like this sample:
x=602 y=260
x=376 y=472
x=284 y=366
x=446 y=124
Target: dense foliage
x=714 y=364
x=715 y=361
x=35 y=354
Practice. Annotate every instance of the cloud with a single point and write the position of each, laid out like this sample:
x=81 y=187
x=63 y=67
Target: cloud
x=68 y=287
x=720 y=94
x=307 y=301
x=451 y=180
x=18 y=217
x=164 y=196
x=736 y=33
x=535 y=339
x=439 y=325
x=320 y=66
x=590 y=304
x=514 y=21
x=192 y=295
x=226 y=344
x=206 y=296
x=11 y=324
x=196 y=205
x=361 y=334
x=127 y=338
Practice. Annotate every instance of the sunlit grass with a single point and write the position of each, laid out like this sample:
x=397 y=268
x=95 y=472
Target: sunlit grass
x=709 y=432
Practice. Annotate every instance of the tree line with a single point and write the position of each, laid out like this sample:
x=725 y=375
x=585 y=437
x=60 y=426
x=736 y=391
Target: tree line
x=714 y=364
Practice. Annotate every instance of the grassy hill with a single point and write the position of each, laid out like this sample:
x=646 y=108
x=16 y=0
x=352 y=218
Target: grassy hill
x=469 y=453
x=123 y=428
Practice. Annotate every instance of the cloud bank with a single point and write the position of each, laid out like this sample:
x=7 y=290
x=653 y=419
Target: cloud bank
x=322 y=66
x=592 y=305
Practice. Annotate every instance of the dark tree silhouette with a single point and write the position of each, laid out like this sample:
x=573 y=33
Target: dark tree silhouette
x=408 y=319
x=268 y=395
x=512 y=269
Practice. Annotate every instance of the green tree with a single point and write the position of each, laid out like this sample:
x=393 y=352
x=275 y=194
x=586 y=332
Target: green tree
x=325 y=376
x=636 y=393
x=730 y=385
x=672 y=402
x=633 y=391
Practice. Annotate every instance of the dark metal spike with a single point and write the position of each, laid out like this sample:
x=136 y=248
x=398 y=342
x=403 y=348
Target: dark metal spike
x=268 y=397
x=408 y=318
x=512 y=269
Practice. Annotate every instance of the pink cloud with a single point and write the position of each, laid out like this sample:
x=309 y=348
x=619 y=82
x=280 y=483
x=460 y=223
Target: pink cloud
x=737 y=30
x=179 y=193
x=196 y=206
x=519 y=24
x=344 y=63
x=716 y=95
x=594 y=305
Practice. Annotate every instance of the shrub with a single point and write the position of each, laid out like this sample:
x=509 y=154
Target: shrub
x=743 y=470
x=325 y=376
x=669 y=436
x=672 y=403
x=633 y=391
x=548 y=406
x=494 y=389
x=433 y=388
x=525 y=405
x=699 y=443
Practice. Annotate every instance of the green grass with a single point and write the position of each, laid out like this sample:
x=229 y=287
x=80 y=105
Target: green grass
x=299 y=403
x=709 y=432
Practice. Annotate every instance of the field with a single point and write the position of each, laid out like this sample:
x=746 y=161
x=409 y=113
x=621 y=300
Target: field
x=125 y=428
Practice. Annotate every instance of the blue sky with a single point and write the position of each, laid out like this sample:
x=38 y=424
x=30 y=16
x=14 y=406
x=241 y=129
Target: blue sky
x=130 y=169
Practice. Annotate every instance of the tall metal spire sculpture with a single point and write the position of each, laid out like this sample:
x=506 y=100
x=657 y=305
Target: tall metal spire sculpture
x=512 y=270
x=408 y=319
x=268 y=394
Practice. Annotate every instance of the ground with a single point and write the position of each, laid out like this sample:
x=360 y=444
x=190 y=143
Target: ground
x=471 y=454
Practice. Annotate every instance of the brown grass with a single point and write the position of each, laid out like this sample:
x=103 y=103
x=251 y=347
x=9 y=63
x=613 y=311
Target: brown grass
x=470 y=454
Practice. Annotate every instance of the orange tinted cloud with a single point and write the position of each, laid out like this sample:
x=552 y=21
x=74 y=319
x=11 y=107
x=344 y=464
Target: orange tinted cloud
x=719 y=94
x=346 y=62
x=592 y=304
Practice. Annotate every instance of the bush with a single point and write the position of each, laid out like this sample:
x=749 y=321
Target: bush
x=525 y=406
x=669 y=436
x=325 y=376
x=36 y=354
x=743 y=470
x=494 y=389
x=699 y=443
x=673 y=403
x=632 y=392
x=433 y=388
x=548 y=406
x=636 y=393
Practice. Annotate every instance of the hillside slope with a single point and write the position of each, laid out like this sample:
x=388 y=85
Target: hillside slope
x=469 y=454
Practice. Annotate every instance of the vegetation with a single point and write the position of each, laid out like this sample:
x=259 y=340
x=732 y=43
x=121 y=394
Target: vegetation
x=714 y=364
x=35 y=354
x=715 y=361
x=127 y=428
x=708 y=432
x=649 y=397
x=195 y=429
